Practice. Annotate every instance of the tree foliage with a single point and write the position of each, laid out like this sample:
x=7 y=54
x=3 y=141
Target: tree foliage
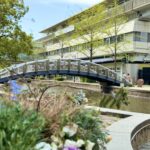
x=87 y=29
x=13 y=40
x=113 y=28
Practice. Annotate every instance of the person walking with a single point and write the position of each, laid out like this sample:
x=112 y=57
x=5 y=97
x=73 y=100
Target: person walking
x=129 y=78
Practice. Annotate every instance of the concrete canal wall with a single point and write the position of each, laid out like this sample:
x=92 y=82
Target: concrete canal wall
x=143 y=92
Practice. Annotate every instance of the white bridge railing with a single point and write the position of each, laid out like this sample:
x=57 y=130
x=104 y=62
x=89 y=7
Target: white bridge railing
x=58 y=65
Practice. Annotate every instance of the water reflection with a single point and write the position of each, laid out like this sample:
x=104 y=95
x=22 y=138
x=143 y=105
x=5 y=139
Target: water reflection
x=141 y=105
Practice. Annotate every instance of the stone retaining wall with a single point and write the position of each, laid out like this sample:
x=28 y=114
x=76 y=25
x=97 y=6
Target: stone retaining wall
x=96 y=87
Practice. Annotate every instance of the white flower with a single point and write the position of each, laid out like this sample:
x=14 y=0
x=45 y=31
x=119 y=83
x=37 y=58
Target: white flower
x=71 y=129
x=57 y=141
x=43 y=146
x=54 y=146
x=80 y=143
x=69 y=143
x=85 y=100
x=89 y=145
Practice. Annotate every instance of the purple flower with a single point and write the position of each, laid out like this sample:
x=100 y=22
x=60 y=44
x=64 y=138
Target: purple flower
x=15 y=89
x=71 y=148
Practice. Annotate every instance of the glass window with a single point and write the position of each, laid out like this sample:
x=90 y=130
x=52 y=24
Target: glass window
x=112 y=39
x=148 y=38
x=137 y=36
x=107 y=41
x=120 y=38
x=140 y=36
x=144 y=37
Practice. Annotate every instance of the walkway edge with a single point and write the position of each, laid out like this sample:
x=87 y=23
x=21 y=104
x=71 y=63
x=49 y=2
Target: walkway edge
x=121 y=130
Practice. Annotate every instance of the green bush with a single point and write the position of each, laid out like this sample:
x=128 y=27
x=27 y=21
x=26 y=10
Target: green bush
x=89 y=126
x=59 y=78
x=19 y=129
x=86 y=80
x=115 y=100
x=90 y=123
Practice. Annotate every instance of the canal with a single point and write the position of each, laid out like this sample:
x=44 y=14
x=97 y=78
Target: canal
x=136 y=104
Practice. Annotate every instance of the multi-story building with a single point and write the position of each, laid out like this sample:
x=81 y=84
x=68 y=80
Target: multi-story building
x=136 y=31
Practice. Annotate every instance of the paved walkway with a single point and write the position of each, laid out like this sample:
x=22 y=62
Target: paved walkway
x=122 y=129
x=121 y=132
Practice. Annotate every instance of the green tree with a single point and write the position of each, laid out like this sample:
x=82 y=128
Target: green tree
x=114 y=25
x=62 y=40
x=87 y=29
x=13 y=40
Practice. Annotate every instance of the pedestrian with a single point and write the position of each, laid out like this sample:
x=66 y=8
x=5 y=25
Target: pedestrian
x=129 y=78
x=124 y=75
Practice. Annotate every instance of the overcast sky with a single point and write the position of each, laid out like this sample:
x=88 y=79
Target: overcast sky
x=45 y=13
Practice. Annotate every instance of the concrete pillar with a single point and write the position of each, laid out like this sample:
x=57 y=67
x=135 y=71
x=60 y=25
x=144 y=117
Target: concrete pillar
x=105 y=88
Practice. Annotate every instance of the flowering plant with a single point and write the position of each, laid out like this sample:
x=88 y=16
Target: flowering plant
x=15 y=89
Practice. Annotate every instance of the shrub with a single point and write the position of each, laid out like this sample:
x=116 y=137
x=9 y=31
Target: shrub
x=86 y=80
x=89 y=126
x=59 y=78
x=116 y=100
x=19 y=129
x=90 y=123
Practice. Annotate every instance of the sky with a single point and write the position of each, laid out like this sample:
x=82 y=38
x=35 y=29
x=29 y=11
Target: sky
x=45 y=13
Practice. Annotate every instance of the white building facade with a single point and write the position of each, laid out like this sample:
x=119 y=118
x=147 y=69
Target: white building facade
x=136 y=31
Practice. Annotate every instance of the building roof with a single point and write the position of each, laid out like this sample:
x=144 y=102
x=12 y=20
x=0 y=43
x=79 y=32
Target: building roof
x=64 y=22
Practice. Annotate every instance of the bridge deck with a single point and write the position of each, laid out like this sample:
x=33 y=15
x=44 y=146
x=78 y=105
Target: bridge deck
x=63 y=67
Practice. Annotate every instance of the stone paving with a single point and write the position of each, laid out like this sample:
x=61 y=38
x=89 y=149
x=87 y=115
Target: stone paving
x=122 y=129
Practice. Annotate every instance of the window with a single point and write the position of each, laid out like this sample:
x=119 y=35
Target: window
x=148 y=38
x=144 y=36
x=137 y=36
x=107 y=41
x=141 y=36
x=120 y=38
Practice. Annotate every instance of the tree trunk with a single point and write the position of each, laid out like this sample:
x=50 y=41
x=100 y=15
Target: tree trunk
x=91 y=51
x=62 y=53
x=91 y=55
x=115 y=57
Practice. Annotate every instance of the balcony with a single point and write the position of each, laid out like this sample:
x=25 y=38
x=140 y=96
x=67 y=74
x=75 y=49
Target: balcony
x=137 y=4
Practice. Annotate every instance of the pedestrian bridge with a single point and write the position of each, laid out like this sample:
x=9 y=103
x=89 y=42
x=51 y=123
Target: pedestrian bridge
x=73 y=67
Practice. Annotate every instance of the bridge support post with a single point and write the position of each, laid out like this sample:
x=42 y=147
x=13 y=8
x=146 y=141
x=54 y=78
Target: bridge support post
x=69 y=63
x=105 y=88
x=47 y=65
x=58 y=65
x=24 y=68
x=89 y=67
x=78 y=66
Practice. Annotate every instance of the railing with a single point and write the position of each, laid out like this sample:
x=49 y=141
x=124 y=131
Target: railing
x=140 y=3
x=140 y=134
x=68 y=65
x=128 y=6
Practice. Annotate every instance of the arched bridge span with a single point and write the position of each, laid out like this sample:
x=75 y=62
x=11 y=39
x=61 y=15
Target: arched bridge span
x=71 y=67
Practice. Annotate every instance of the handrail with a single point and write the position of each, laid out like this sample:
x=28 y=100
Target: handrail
x=59 y=64
x=138 y=131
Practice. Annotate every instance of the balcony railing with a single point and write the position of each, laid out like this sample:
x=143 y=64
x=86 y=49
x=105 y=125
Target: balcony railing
x=134 y=4
x=140 y=3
